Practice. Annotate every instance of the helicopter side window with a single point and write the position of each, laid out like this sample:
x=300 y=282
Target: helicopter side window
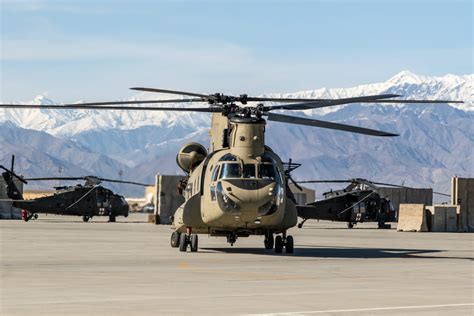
x=215 y=174
x=230 y=170
x=249 y=171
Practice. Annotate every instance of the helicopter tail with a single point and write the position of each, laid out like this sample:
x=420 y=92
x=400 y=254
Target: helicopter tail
x=12 y=189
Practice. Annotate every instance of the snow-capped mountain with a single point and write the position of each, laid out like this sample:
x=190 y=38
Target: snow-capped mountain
x=436 y=142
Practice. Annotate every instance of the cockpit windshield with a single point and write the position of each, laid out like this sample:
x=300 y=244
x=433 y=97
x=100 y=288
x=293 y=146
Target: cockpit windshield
x=268 y=171
x=230 y=170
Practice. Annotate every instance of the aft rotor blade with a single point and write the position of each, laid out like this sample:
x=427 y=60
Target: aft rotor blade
x=204 y=97
x=324 y=124
x=93 y=106
x=329 y=102
x=127 y=182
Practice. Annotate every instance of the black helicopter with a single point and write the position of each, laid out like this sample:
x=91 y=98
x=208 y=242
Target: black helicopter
x=359 y=202
x=88 y=200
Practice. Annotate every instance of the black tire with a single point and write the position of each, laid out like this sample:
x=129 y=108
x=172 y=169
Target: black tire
x=194 y=243
x=278 y=244
x=35 y=216
x=175 y=236
x=350 y=225
x=183 y=242
x=269 y=241
x=85 y=218
x=300 y=225
x=289 y=247
x=112 y=218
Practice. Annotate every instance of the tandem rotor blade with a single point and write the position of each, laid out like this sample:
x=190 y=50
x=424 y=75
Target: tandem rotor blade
x=93 y=106
x=324 y=124
x=55 y=178
x=204 y=97
x=330 y=102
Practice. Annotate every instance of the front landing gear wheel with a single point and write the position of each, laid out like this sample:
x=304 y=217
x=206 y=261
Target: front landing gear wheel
x=269 y=241
x=194 y=243
x=183 y=242
x=175 y=236
x=289 y=246
x=85 y=218
x=278 y=244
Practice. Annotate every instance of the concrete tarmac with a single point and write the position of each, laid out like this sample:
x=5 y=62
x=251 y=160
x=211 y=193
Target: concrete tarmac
x=62 y=266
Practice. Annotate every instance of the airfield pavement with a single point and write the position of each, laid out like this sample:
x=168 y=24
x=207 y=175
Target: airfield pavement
x=62 y=266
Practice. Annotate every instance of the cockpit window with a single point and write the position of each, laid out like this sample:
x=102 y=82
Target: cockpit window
x=228 y=157
x=249 y=171
x=268 y=171
x=215 y=173
x=230 y=170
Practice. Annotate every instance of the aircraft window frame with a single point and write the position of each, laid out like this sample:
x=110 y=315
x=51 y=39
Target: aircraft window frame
x=215 y=173
x=246 y=165
x=224 y=168
x=276 y=175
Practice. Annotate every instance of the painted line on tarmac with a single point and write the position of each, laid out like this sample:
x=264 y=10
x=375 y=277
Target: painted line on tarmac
x=366 y=309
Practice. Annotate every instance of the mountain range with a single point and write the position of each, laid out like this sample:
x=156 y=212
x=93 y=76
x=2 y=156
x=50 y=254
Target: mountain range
x=435 y=142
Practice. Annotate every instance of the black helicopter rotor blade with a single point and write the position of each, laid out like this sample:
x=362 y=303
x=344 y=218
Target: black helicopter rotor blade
x=126 y=182
x=21 y=179
x=330 y=102
x=325 y=181
x=204 y=97
x=93 y=106
x=55 y=178
x=324 y=124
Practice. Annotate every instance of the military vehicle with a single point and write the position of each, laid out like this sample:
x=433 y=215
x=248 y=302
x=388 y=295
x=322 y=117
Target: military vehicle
x=88 y=200
x=359 y=202
x=238 y=187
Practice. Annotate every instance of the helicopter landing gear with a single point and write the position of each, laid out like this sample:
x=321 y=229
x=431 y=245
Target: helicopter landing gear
x=112 y=218
x=284 y=241
x=300 y=225
x=85 y=218
x=269 y=240
x=231 y=238
x=186 y=239
x=26 y=216
x=350 y=225
x=175 y=236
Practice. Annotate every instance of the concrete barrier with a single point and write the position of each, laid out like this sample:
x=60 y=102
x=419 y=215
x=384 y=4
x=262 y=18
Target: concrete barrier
x=444 y=218
x=462 y=194
x=412 y=218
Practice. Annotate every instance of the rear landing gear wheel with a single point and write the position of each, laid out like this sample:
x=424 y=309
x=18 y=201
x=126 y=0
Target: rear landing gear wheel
x=194 y=243
x=175 y=236
x=269 y=241
x=183 y=242
x=278 y=244
x=35 y=216
x=112 y=218
x=350 y=225
x=85 y=219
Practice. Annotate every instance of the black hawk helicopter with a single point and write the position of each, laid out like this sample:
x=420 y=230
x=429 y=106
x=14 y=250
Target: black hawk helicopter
x=359 y=202
x=88 y=200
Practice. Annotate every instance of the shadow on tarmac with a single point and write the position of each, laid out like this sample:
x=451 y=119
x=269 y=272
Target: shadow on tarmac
x=341 y=252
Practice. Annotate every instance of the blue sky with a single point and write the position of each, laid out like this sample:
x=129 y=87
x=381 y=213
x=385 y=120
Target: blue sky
x=94 y=50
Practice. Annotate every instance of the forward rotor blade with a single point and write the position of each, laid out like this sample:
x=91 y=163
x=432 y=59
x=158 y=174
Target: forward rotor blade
x=93 y=106
x=127 y=182
x=328 y=102
x=323 y=124
x=204 y=97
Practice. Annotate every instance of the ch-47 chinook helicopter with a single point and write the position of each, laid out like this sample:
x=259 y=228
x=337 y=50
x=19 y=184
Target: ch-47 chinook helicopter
x=239 y=187
x=360 y=201
x=88 y=200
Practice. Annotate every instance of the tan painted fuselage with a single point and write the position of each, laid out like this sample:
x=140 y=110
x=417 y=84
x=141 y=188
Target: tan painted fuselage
x=240 y=187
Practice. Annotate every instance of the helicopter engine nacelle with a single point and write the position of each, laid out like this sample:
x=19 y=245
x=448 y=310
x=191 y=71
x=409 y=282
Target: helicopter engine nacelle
x=190 y=156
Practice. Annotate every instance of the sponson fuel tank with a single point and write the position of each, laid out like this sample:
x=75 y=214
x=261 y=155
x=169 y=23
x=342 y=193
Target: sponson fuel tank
x=190 y=156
